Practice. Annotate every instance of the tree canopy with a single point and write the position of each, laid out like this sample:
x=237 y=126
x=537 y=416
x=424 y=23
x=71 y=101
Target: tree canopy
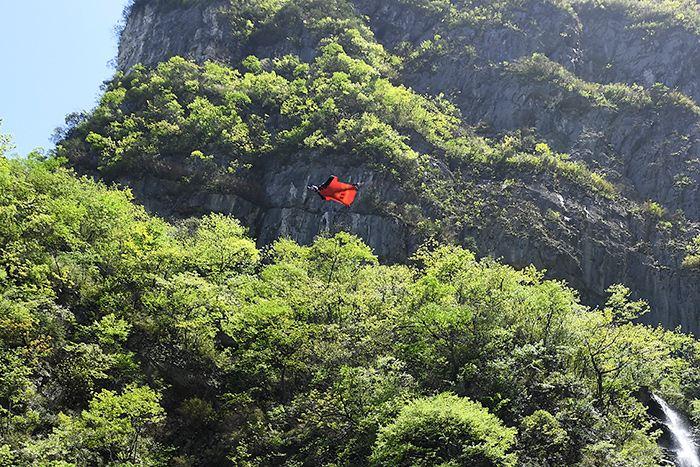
x=129 y=340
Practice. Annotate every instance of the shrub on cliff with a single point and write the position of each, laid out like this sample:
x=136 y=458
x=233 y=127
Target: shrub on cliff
x=692 y=260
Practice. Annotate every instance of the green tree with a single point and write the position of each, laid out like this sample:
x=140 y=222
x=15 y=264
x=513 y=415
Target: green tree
x=541 y=440
x=444 y=430
x=219 y=246
x=117 y=429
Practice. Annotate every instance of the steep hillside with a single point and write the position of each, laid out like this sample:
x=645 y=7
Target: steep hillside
x=472 y=164
x=592 y=82
x=128 y=340
x=508 y=65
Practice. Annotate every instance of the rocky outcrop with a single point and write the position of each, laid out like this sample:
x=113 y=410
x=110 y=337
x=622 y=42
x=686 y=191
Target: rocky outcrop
x=153 y=33
x=651 y=150
x=616 y=48
x=654 y=149
x=586 y=240
x=278 y=205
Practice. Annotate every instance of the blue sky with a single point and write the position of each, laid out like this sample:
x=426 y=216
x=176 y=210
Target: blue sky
x=54 y=55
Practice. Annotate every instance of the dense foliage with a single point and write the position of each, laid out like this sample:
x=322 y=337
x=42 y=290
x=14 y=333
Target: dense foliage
x=208 y=123
x=126 y=340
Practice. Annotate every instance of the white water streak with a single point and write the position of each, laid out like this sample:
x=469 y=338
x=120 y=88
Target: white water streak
x=684 y=446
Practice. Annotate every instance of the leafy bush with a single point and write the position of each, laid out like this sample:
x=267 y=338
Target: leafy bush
x=692 y=260
x=654 y=210
x=540 y=68
x=543 y=439
x=116 y=426
x=444 y=430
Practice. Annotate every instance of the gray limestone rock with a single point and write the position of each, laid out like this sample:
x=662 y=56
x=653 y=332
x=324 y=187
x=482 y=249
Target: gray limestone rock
x=652 y=152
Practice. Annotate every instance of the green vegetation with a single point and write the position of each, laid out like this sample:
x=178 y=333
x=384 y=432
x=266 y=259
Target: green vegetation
x=126 y=340
x=114 y=427
x=210 y=125
x=653 y=209
x=692 y=261
x=445 y=429
x=212 y=117
x=539 y=68
x=653 y=14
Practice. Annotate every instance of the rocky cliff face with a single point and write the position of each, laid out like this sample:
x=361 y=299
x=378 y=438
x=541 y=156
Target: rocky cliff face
x=279 y=205
x=592 y=245
x=618 y=49
x=645 y=138
x=153 y=34
x=652 y=148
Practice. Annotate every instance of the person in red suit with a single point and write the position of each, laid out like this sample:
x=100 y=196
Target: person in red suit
x=335 y=190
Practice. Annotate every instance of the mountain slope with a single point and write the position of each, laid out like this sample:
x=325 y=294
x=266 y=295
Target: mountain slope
x=429 y=173
x=193 y=339
x=125 y=339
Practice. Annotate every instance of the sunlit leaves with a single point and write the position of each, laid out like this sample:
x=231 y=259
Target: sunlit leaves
x=304 y=353
x=116 y=428
x=444 y=430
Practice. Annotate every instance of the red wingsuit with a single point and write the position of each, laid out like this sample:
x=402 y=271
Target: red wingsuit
x=335 y=190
